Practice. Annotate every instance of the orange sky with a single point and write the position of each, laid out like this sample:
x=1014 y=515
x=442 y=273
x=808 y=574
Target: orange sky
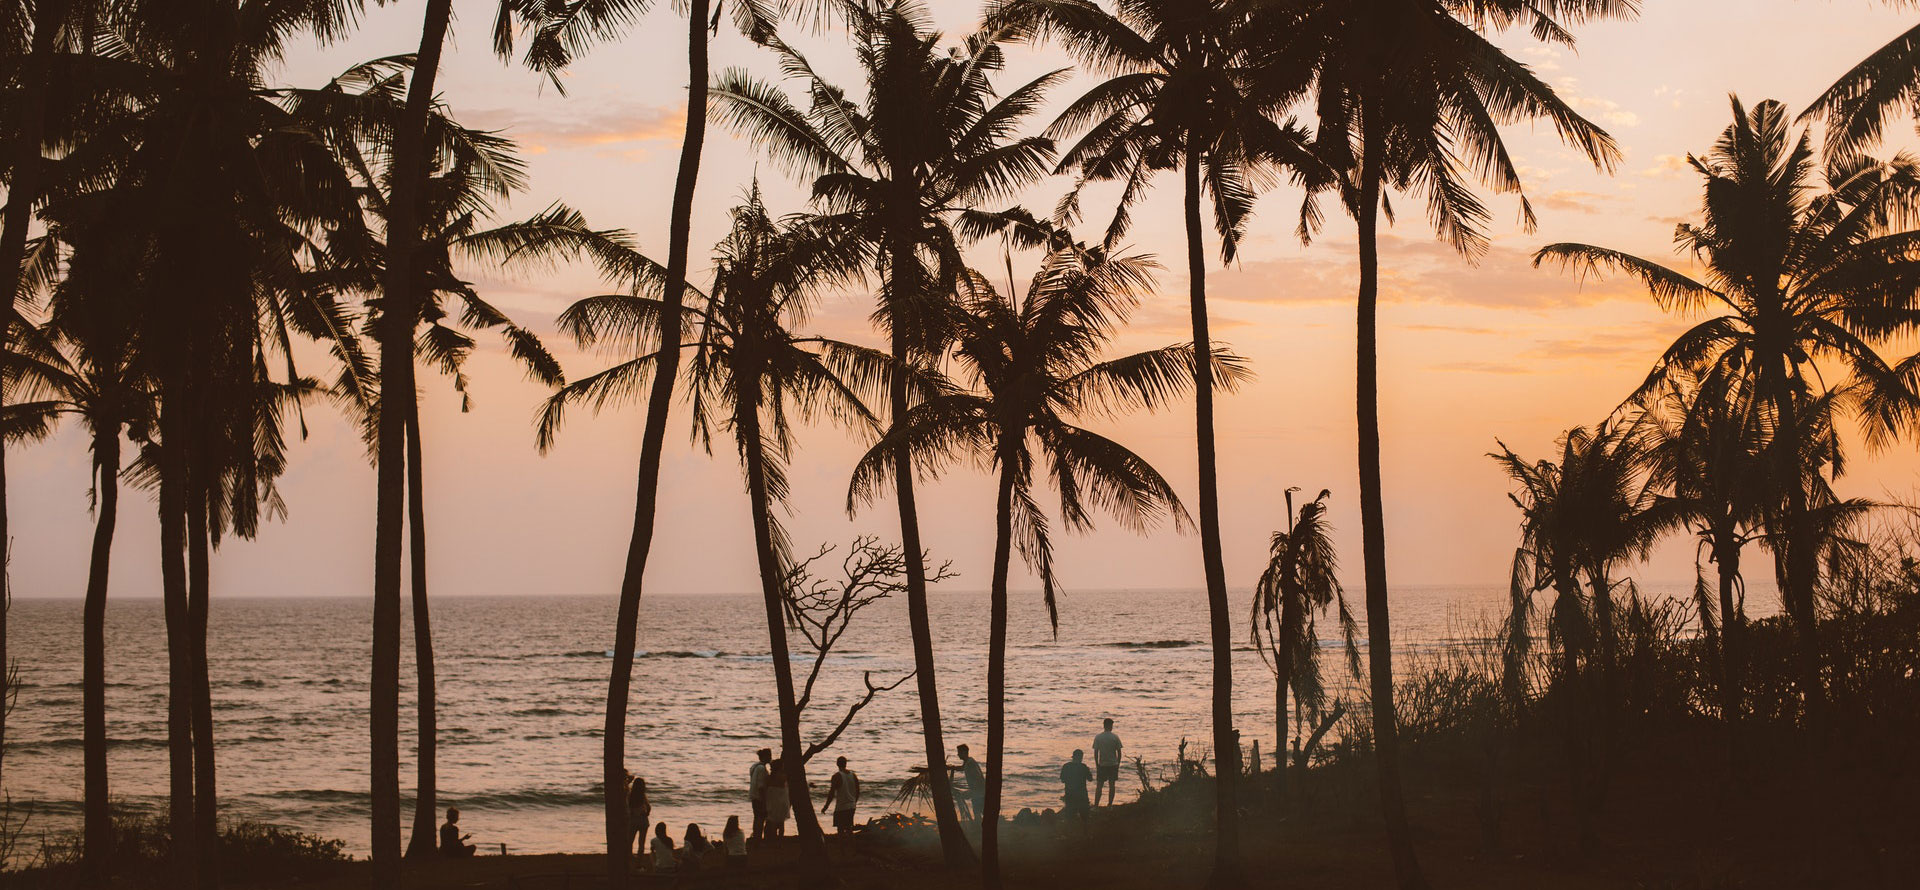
x=1469 y=353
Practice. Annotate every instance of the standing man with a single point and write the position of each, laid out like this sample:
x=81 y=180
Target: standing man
x=757 y=790
x=1106 y=761
x=973 y=784
x=1074 y=777
x=843 y=795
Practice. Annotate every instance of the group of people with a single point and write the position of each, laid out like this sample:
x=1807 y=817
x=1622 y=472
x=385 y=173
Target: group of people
x=970 y=785
x=773 y=805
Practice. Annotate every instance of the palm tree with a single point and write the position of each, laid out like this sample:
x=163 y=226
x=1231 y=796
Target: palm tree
x=1856 y=107
x=1033 y=363
x=1806 y=265
x=1298 y=582
x=1181 y=94
x=85 y=364
x=1410 y=95
x=1709 y=437
x=904 y=174
x=750 y=373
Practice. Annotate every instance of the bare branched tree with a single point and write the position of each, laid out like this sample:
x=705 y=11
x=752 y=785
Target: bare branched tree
x=822 y=609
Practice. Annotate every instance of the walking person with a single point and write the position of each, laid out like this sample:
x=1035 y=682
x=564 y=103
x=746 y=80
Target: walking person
x=779 y=806
x=639 y=812
x=972 y=785
x=1106 y=763
x=1074 y=777
x=757 y=790
x=843 y=795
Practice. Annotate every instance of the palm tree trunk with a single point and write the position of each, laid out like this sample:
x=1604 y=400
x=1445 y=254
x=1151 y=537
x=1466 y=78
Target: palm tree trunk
x=410 y=161
x=652 y=442
x=99 y=813
x=955 y=849
x=1283 y=657
x=23 y=188
x=1393 y=808
x=183 y=851
x=205 y=794
x=813 y=848
x=997 y=671
x=1226 y=740
x=1603 y=615
x=425 y=805
x=1726 y=557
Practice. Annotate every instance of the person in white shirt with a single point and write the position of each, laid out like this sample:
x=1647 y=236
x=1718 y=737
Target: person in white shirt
x=779 y=804
x=843 y=795
x=664 y=861
x=735 y=842
x=1106 y=763
x=757 y=791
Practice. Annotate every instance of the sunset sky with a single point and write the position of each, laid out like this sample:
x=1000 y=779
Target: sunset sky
x=1469 y=353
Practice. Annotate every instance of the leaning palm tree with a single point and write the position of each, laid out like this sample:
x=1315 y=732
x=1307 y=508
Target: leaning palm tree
x=1806 y=265
x=1034 y=366
x=1858 y=105
x=751 y=374
x=1410 y=95
x=903 y=174
x=1182 y=93
x=1298 y=582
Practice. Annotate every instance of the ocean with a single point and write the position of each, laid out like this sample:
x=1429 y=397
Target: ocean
x=522 y=687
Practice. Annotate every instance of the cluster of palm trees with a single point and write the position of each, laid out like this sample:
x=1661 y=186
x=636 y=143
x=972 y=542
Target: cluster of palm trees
x=144 y=138
x=1807 y=272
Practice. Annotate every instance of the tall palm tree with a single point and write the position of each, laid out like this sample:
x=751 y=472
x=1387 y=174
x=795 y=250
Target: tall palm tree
x=1410 y=96
x=1805 y=264
x=1034 y=366
x=1298 y=582
x=85 y=364
x=905 y=173
x=1181 y=93
x=752 y=374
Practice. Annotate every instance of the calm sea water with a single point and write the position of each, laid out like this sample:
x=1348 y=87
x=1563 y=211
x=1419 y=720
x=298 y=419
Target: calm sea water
x=522 y=686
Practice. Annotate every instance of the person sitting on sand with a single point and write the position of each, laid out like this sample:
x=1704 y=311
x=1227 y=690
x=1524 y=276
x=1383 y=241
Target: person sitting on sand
x=779 y=805
x=972 y=787
x=1075 y=776
x=843 y=794
x=694 y=847
x=452 y=842
x=757 y=790
x=735 y=842
x=1106 y=763
x=663 y=859
x=639 y=812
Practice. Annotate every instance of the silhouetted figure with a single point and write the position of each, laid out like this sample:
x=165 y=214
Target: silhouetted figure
x=1106 y=763
x=779 y=805
x=1075 y=777
x=694 y=847
x=735 y=842
x=664 y=861
x=843 y=795
x=757 y=790
x=972 y=787
x=452 y=842
x=639 y=812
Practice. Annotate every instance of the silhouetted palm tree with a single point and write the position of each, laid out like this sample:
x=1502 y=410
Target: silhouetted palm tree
x=1298 y=582
x=1182 y=93
x=1805 y=264
x=752 y=374
x=1410 y=96
x=904 y=174
x=1856 y=107
x=85 y=364
x=1034 y=366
